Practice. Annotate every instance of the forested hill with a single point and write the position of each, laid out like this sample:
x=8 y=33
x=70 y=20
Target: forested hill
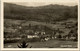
x=47 y=13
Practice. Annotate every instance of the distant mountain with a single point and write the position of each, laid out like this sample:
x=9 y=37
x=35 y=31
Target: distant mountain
x=47 y=13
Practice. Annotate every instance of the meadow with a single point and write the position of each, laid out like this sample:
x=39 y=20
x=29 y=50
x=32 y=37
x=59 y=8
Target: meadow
x=47 y=44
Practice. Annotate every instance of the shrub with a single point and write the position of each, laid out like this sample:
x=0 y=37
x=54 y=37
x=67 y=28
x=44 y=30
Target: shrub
x=24 y=45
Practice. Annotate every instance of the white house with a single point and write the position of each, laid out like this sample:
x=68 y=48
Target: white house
x=32 y=36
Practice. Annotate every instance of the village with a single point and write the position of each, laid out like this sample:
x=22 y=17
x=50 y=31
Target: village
x=31 y=32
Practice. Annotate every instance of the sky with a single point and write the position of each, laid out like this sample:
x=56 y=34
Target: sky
x=47 y=2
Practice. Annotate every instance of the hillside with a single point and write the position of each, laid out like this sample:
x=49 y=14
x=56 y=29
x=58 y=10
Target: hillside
x=47 y=13
x=48 y=26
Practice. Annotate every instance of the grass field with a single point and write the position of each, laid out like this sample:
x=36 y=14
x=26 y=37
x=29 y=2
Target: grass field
x=26 y=23
x=47 y=44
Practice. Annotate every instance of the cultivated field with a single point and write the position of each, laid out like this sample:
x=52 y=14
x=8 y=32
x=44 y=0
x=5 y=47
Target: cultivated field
x=46 y=44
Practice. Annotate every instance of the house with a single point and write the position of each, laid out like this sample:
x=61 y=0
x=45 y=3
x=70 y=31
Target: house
x=43 y=33
x=39 y=33
x=32 y=36
x=72 y=38
x=45 y=37
x=70 y=25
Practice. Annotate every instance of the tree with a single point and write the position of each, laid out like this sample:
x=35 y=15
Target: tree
x=67 y=14
x=59 y=31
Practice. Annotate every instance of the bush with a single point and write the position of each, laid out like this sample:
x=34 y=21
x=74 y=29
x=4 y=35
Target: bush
x=23 y=45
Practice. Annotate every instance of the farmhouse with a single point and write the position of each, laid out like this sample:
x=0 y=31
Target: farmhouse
x=45 y=37
x=32 y=36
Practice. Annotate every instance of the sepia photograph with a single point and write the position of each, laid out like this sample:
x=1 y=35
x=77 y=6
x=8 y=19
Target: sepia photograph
x=40 y=24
